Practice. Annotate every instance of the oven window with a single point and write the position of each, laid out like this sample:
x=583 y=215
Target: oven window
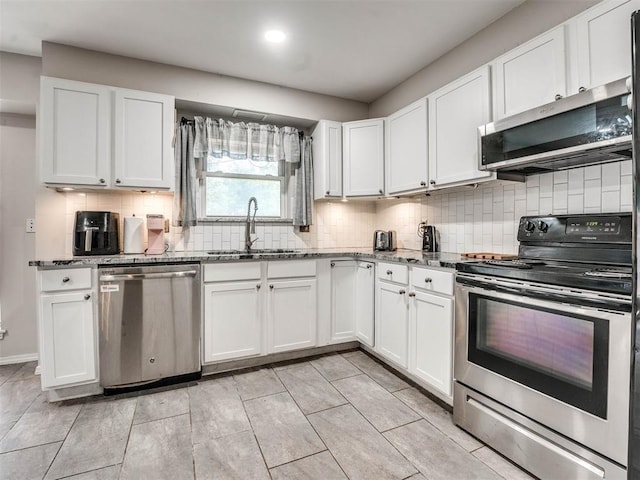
x=559 y=354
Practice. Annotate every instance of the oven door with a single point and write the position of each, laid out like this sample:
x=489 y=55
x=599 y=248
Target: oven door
x=542 y=352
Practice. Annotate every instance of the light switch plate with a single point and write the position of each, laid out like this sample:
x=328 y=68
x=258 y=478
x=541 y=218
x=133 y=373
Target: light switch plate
x=30 y=226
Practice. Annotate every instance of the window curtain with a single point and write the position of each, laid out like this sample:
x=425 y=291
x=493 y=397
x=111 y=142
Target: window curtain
x=302 y=214
x=184 y=198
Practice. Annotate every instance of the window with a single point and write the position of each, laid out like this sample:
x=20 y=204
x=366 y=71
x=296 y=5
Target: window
x=230 y=183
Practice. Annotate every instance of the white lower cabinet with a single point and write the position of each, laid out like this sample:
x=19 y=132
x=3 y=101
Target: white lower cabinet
x=431 y=335
x=67 y=328
x=365 y=302
x=233 y=321
x=392 y=322
x=343 y=300
x=291 y=317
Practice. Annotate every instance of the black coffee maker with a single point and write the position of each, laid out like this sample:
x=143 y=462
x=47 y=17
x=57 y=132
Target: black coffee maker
x=96 y=233
x=429 y=237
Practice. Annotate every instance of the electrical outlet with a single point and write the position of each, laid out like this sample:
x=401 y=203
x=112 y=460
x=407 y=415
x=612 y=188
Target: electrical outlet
x=30 y=226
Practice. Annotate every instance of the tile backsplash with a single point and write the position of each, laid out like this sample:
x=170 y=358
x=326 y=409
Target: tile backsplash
x=467 y=219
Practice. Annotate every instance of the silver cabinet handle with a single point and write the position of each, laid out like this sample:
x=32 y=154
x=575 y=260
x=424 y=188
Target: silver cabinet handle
x=141 y=276
x=332 y=264
x=118 y=180
x=432 y=182
x=102 y=180
x=87 y=296
x=558 y=96
x=380 y=191
x=389 y=272
x=423 y=184
x=428 y=280
x=258 y=285
x=327 y=192
x=412 y=294
x=271 y=287
x=402 y=292
x=65 y=280
x=368 y=267
x=582 y=89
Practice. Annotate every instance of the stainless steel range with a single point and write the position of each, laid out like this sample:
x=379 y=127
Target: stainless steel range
x=543 y=347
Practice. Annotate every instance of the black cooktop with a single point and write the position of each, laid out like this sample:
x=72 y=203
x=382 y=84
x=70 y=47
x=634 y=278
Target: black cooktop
x=591 y=252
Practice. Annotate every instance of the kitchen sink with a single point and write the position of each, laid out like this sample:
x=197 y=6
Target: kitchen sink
x=254 y=251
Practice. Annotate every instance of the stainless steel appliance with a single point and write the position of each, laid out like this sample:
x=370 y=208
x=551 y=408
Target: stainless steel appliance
x=384 y=240
x=590 y=127
x=542 y=348
x=429 y=237
x=149 y=325
x=95 y=233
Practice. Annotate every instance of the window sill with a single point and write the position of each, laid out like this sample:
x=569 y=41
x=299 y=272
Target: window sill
x=233 y=220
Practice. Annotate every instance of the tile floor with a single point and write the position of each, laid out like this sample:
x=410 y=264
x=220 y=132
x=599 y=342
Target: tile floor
x=341 y=416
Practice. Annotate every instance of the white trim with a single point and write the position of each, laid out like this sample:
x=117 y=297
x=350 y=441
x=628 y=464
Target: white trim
x=28 y=357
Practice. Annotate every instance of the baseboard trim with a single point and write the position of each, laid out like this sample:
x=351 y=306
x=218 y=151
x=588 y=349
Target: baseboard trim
x=29 y=357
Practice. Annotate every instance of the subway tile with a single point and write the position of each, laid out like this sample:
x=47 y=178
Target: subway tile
x=611 y=177
x=611 y=201
x=592 y=194
x=545 y=206
x=575 y=204
x=533 y=200
x=560 y=177
x=546 y=185
x=626 y=167
x=593 y=172
x=533 y=181
x=559 y=197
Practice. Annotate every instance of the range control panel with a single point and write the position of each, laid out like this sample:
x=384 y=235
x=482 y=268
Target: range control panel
x=584 y=228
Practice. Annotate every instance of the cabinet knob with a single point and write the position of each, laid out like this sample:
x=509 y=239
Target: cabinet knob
x=118 y=180
x=423 y=184
x=327 y=193
x=87 y=296
x=152 y=360
x=258 y=285
x=368 y=267
x=66 y=280
x=380 y=191
x=558 y=96
x=432 y=182
x=428 y=280
x=333 y=264
x=271 y=287
x=412 y=294
x=102 y=180
x=402 y=292
x=389 y=272
x=582 y=89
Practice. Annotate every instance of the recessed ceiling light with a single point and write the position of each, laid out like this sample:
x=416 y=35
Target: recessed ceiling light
x=274 y=36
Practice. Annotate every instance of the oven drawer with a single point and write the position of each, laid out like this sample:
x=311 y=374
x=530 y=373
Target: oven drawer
x=393 y=272
x=438 y=281
x=529 y=444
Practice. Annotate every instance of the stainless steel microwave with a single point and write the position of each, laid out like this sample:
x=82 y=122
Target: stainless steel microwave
x=590 y=127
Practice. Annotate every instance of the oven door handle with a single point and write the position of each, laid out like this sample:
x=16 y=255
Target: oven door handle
x=585 y=299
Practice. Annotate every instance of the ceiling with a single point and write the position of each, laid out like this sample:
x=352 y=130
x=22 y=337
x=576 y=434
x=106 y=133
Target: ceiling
x=354 y=49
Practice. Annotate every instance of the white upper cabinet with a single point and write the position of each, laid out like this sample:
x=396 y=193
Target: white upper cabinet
x=531 y=75
x=455 y=113
x=101 y=136
x=406 y=149
x=327 y=159
x=143 y=130
x=75 y=132
x=363 y=157
x=601 y=44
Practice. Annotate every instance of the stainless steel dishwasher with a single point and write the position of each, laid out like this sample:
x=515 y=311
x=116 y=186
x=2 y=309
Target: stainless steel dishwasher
x=149 y=325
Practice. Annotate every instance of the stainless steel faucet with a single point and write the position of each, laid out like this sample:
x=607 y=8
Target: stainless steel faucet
x=250 y=224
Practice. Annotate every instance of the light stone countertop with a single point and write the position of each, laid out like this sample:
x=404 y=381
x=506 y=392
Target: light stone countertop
x=415 y=257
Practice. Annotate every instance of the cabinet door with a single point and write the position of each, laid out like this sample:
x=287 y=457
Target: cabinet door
x=67 y=339
x=363 y=157
x=75 y=132
x=327 y=159
x=531 y=74
x=392 y=322
x=432 y=340
x=291 y=314
x=364 y=302
x=453 y=135
x=406 y=149
x=143 y=134
x=343 y=300
x=232 y=320
x=602 y=42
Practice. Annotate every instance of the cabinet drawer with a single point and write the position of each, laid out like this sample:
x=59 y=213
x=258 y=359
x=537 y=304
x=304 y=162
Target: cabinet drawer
x=292 y=268
x=225 y=272
x=393 y=272
x=439 y=281
x=65 y=279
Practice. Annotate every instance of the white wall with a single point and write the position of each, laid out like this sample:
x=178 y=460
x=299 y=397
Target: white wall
x=519 y=25
x=193 y=85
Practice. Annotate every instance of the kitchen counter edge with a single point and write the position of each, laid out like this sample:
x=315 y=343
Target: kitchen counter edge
x=415 y=257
